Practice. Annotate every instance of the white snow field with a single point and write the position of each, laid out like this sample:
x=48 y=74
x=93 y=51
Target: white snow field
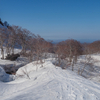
x=48 y=83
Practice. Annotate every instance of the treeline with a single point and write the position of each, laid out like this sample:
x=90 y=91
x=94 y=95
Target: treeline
x=15 y=36
x=34 y=46
x=90 y=48
x=69 y=50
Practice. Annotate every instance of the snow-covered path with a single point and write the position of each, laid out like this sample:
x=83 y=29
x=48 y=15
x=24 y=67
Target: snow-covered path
x=50 y=83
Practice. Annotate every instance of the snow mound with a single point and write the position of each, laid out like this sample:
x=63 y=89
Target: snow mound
x=2 y=74
x=49 y=83
x=5 y=77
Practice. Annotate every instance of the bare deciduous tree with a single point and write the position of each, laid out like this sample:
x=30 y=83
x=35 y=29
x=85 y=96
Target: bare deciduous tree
x=23 y=38
x=68 y=50
x=3 y=37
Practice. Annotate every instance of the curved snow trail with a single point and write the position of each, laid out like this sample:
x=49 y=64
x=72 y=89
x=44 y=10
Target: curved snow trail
x=51 y=83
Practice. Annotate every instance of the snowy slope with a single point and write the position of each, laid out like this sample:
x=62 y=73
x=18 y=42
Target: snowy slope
x=49 y=83
x=92 y=70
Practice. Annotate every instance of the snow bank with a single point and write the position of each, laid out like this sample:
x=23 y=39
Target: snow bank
x=50 y=83
x=2 y=74
x=5 y=77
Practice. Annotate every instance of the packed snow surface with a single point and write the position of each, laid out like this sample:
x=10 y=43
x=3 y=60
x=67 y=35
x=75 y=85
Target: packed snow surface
x=48 y=83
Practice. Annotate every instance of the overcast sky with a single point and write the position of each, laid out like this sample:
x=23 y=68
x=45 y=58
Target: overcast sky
x=55 y=19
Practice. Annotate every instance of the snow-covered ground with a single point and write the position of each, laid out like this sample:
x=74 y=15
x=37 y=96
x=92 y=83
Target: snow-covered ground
x=92 y=69
x=5 y=77
x=15 y=64
x=48 y=83
x=34 y=82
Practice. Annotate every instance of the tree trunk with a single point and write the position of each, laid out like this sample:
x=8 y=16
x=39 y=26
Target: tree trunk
x=2 y=52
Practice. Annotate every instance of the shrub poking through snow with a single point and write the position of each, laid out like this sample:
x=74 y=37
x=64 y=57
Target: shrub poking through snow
x=10 y=69
x=12 y=57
